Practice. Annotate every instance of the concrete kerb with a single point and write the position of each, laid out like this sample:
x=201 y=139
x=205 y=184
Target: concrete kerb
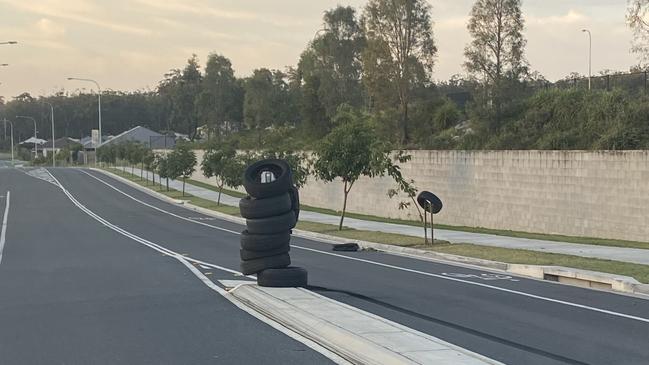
x=582 y=278
x=355 y=335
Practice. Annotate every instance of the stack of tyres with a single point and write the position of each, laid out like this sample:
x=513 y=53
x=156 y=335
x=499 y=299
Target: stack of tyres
x=271 y=210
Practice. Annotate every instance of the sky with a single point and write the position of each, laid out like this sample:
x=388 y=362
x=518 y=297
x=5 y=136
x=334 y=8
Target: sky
x=130 y=44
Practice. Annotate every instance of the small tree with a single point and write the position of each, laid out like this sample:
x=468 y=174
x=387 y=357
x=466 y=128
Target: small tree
x=163 y=169
x=147 y=163
x=182 y=163
x=225 y=166
x=350 y=151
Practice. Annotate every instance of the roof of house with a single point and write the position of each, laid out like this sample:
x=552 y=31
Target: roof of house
x=33 y=140
x=143 y=135
x=61 y=142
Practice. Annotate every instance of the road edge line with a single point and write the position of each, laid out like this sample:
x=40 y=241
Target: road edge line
x=3 y=231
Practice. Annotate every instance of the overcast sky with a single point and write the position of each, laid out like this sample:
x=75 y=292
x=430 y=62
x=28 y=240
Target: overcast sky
x=130 y=44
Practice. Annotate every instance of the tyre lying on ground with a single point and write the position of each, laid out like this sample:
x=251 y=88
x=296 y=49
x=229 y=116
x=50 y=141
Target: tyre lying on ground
x=271 y=210
x=282 y=278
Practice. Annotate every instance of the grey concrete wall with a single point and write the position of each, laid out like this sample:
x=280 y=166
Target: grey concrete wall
x=581 y=193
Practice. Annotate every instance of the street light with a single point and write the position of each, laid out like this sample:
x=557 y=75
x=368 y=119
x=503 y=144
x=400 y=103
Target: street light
x=9 y=42
x=4 y=64
x=35 y=138
x=99 y=103
x=12 y=140
x=590 y=56
x=53 y=147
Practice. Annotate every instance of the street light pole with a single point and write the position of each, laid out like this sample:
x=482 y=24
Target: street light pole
x=9 y=42
x=35 y=133
x=99 y=104
x=590 y=56
x=53 y=139
x=12 y=140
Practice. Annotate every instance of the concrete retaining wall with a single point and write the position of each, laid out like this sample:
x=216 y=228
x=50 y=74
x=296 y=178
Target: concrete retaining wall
x=580 y=193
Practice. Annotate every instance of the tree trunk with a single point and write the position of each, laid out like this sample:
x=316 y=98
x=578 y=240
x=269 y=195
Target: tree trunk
x=342 y=216
x=183 y=186
x=404 y=122
x=167 y=184
x=142 y=171
x=218 y=200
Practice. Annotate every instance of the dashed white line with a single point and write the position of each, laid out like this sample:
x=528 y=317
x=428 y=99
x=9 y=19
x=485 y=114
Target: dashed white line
x=3 y=231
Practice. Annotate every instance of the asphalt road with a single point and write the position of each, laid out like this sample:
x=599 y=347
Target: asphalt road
x=74 y=290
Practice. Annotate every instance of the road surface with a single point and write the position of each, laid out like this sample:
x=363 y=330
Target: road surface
x=83 y=280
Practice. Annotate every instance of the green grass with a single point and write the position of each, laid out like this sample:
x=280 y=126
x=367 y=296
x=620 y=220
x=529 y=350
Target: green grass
x=203 y=185
x=512 y=256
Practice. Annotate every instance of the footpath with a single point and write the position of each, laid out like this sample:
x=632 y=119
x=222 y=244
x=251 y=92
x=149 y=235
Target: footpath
x=630 y=255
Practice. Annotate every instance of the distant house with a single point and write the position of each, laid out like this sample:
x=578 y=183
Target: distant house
x=34 y=144
x=59 y=144
x=147 y=137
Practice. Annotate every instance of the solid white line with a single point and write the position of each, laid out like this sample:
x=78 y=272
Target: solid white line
x=510 y=291
x=627 y=316
x=3 y=232
x=186 y=262
x=156 y=208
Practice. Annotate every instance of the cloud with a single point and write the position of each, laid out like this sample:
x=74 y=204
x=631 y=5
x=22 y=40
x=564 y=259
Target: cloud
x=50 y=29
x=572 y=17
x=80 y=11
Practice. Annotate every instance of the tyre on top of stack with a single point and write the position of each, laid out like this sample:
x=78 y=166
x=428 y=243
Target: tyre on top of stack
x=271 y=210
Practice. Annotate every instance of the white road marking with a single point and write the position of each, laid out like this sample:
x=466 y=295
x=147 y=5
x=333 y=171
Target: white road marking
x=510 y=291
x=486 y=277
x=186 y=261
x=3 y=231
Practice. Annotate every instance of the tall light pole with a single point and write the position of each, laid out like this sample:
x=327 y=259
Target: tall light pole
x=12 y=140
x=9 y=42
x=35 y=132
x=53 y=139
x=590 y=56
x=99 y=105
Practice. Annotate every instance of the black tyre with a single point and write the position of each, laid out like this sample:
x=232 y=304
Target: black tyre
x=283 y=278
x=272 y=262
x=251 y=255
x=264 y=242
x=276 y=224
x=351 y=247
x=262 y=208
x=295 y=201
x=427 y=197
x=252 y=179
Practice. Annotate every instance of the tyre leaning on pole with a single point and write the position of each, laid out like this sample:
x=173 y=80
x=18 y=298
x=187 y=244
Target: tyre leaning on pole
x=271 y=210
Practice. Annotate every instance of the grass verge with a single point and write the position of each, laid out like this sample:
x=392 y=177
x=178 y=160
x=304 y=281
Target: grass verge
x=512 y=256
x=498 y=232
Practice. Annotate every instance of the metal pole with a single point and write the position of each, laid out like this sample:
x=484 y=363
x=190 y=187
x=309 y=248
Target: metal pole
x=590 y=56
x=35 y=133
x=12 y=140
x=53 y=138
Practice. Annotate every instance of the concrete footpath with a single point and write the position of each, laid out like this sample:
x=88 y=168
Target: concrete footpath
x=631 y=255
x=353 y=334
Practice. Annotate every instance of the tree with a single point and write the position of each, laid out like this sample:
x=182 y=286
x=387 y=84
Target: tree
x=181 y=163
x=331 y=69
x=497 y=50
x=164 y=170
x=148 y=159
x=638 y=20
x=400 y=52
x=220 y=102
x=266 y=101
x=350 y=151
x=223 y=164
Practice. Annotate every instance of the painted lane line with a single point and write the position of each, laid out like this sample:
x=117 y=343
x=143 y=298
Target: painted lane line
x=206 y=281
x=534 y=296
x=156 y=208
x=443 y=277
x=3 y=231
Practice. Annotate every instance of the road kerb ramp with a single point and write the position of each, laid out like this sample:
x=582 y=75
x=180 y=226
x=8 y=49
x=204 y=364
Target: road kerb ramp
x=355 y=335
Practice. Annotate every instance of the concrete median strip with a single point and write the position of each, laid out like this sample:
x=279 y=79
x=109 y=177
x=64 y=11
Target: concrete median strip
x=353 y=334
